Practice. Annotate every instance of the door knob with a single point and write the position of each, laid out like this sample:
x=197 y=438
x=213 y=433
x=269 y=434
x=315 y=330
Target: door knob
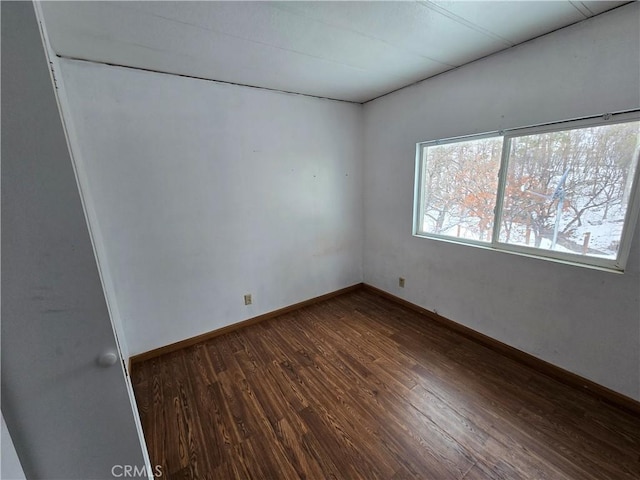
x=107 y=359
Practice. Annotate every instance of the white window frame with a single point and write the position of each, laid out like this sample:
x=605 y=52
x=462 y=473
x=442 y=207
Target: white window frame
x=616 y=265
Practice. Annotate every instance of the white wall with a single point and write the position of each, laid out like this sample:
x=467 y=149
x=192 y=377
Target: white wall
x=205 y=191
x=583 y=320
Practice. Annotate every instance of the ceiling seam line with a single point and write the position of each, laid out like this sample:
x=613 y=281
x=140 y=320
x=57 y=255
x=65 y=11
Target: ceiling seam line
x=163 y=72
x=585 y=14
x=464 y=22
x=257 y=42
x=586 y=7
x=364 y=35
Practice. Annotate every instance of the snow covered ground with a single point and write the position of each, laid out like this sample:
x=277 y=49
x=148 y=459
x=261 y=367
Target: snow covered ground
x=603 y=235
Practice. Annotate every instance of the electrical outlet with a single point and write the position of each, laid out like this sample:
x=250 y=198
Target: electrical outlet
x=247 y=299
x=401 y=282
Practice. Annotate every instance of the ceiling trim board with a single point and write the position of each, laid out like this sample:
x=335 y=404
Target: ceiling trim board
x=194 y=77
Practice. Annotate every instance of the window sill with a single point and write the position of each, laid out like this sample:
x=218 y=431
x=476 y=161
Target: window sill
x=523 y=252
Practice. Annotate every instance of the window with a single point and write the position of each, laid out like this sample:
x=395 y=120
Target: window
x=563 y=191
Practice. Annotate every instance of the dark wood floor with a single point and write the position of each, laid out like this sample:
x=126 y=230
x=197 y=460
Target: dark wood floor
x=357 y=387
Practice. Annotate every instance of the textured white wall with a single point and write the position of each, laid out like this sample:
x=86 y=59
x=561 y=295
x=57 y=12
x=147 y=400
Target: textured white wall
x=206 y=191
x=583 y=320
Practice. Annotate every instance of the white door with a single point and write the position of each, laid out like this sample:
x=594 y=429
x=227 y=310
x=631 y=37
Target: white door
x=68 y=416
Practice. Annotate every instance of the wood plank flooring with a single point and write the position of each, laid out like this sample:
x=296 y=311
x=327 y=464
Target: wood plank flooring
x=358 y=387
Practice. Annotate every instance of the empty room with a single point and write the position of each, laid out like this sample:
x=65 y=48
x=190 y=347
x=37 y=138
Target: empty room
x=320 y=240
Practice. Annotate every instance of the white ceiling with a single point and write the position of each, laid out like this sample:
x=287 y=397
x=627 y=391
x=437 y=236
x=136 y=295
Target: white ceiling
x=353 y=51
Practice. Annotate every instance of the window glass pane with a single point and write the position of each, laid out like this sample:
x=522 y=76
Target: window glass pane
x=568 y=191
x=459 y=184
